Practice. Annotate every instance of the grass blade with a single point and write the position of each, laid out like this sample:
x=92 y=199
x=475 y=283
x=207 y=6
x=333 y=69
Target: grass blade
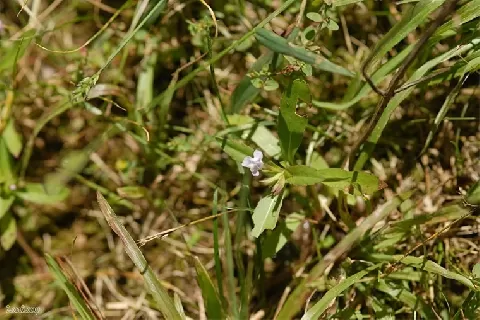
x=443 y=112
x=280 y=45
x=317 y=310
x=232 y=297
x=216 y=249
x=296 y=299
x=213 y=304
x=426 y=265
x=159 y=294
x=411 y=19
x=399 y=97
x=181 y=83
x=73 y=293
x=412 y=301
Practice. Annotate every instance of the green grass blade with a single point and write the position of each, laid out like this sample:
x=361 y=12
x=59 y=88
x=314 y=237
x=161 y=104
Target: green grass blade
x=280 y=45
x=297 y=298
x=74 y=295
x=216 y=250
x=449 y=101
x=245 y=92
x=158 y=292
x=426 y=265
x=377 y=77
x=185 y=80
x=213 y=303
x=232 y=297
x=317 y=310
x=399 y=97
x=408 y=298
x=410 y=20
x=14 y=53
x=470 y=308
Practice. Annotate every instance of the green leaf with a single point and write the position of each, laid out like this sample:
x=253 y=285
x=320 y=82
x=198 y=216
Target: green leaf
x=213 y=305
x=317 y=161
x=270 y=85
x=425 y=265
x=70 y=289
x=410 y=20
x=377 y=77
x=335 y=178
x=476 y=271
x=8 y=231
x=466 y=13
x=317 y=310
x=178 y=305
x=447 y=104
x=340 y=3
x=11 y=55
x=470 y=307
x=132 y=192
x=246 y=92
x=266 y=213
x=399 y=97
x=406 y=297
x=280 y=45
x=257 y=83
x=277 y=239
x=12 y=138
x=258 y=133
x=6 y=168
x=235 y=148
x=36 y=193
x=5 y=204
x=290 y=125
x=473 y=194
x=314 y=16
x=332 y=25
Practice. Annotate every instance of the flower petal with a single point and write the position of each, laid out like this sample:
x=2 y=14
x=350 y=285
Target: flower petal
x=247 y=162
x=255 y=173
x=258 y=155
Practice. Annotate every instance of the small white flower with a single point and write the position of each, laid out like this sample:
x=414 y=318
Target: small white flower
x=255 y=163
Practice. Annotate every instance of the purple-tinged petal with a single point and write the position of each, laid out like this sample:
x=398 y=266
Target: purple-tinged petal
x=247 y=162
x=258 y=155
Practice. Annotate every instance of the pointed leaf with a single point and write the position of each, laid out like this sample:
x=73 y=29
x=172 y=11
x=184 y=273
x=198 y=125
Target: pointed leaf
x=132 y=192
x=13 y=139
x=266 y=213
x=235 y=148
x=8 y=231
x=470 y=307
x=6 y=168
x=213 y=305
x=410 y=20
x=5 y=204
x=317 y=310
x=36 y=193
x=277 y=239
x=280 y=45
x=11 y=55
x=290 y=125
x=258 y=133
x=245 y=91
x=335 y=178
